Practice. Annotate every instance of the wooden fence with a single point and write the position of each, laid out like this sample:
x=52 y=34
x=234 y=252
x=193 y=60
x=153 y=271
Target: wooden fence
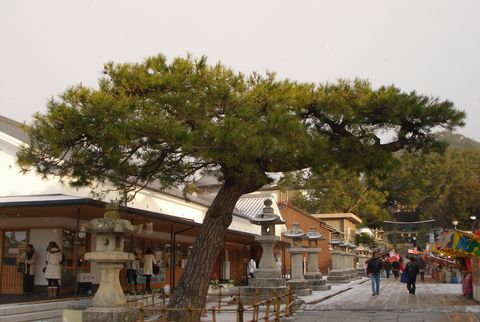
x=273 y=309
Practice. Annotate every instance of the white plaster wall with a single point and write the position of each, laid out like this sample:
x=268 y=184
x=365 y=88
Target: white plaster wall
x=40 y=238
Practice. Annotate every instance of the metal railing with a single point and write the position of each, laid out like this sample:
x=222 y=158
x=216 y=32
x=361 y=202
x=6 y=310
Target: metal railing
x=273 y=308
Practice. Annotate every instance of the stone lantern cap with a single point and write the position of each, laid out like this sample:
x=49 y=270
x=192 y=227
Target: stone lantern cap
x=335 y=242
x=313 y=234
x=110 y=223
x=351 y=246
x=295 y=232
x=267 y=217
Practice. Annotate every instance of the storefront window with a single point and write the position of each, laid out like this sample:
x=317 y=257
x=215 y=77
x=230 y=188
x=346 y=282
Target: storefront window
x=14 y=243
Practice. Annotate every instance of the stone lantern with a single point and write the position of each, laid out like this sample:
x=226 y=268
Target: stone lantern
x=313 y=275
x=337 y=274
x=109 y=303
x=267 y=280
x=297 y=281
x=362 y=256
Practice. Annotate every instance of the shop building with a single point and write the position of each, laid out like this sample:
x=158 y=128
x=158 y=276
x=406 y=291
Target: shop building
x=36 y=210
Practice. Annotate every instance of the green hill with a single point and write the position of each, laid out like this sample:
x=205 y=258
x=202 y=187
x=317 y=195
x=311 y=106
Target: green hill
x=457 y=140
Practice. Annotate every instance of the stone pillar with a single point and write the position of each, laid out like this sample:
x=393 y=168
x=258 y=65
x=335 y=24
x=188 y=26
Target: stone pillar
x=312 y=254
x=336 y=260
x=296 y=263
x=267 y=266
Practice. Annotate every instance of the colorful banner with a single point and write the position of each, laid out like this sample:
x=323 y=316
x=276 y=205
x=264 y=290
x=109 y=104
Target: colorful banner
x=459 y=242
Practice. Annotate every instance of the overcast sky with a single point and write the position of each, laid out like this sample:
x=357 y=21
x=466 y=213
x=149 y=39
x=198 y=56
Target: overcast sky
x=431 y=46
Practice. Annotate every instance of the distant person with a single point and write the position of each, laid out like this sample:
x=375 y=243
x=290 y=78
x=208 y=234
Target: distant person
x=412 y=269
x=251 y=267
x=132 y=273
x=388 y=267
x=396 y=268
x=422 y=265
x=53 y=270
x=148 y=262
x=29 y=258
x=374 y=266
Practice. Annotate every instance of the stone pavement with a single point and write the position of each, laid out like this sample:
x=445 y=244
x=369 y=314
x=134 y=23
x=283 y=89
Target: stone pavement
x=433 y=302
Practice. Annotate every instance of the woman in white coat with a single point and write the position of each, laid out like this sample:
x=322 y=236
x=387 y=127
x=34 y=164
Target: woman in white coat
x=53 y=270
x=148 y=262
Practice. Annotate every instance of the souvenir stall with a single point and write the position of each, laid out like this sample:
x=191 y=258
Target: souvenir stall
x=464 y=249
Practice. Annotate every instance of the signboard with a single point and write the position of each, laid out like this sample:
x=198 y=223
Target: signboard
x=459 y=242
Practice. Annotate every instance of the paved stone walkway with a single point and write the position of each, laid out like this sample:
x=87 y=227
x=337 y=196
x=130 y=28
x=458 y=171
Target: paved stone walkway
x=433 y=302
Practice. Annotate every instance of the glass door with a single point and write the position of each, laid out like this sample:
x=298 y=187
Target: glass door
x=13 y=246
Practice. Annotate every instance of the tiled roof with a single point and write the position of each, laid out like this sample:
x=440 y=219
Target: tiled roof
x=252 y=205
x=13 y=128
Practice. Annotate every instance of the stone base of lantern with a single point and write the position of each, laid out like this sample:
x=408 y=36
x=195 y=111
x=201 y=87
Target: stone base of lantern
x=361 y=272
x=353 y=274
x=338 y=276
x=123 y=314
x=300 y=287
x=266 y=284
x=316 y=282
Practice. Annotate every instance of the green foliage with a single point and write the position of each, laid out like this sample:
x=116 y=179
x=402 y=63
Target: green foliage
x=445 y=187
x=344 y=190
x=366 y=240
x=215 y=284
x=160 y=121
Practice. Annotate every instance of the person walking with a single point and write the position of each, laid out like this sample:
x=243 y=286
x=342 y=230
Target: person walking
x=396 y=268
x=148 y=262
x=53 y=270
x=422 y=266
x=252 y=267
x=132 y=273
x=29 y=258
x=374 y=266
x=412 y=269
x=388 y=267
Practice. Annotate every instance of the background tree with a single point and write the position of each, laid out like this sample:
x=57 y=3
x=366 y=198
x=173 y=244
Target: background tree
x=444 y=187
x=366 y=240
x=344 y=190
x=162 y=122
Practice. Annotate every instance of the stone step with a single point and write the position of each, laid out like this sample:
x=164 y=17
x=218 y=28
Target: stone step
x=25 y=308
x=266 y=282
x=49 y=315
x=321 y=287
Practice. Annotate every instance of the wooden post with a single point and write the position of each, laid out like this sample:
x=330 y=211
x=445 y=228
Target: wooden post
x=267 y=311
x=255 y=312
x=190 y=314
x=164 y=312
x=219 y=299
x=240 y=312
x=214 y=318
x=287 y=308
x=142 y=314
x=277 y=307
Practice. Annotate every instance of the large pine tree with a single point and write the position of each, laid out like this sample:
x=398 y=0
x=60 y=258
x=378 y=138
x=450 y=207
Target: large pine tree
x=160 y=121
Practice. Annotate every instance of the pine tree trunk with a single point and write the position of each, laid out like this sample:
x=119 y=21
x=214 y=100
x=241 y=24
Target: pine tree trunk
x=193 y=285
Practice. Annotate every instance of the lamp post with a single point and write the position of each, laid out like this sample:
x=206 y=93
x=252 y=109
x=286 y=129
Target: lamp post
x=455 y=223
x=473 y=219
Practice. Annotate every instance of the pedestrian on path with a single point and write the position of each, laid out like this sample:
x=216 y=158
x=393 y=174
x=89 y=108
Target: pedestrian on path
x=374 y=266
x=396 y=268
x=29 y=258
x=252 y=267
x=412 y=270
x=53 y=268
x=387 y=266
x=148 y=262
